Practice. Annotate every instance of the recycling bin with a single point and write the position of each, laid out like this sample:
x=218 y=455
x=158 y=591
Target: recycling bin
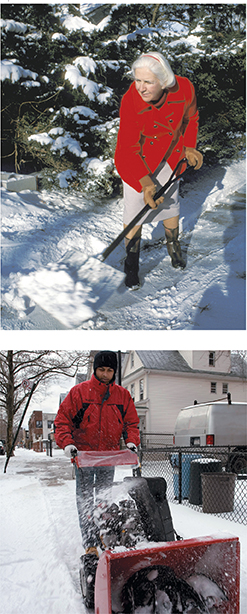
x=186 y=460
x=197 y=468
x=218 y=492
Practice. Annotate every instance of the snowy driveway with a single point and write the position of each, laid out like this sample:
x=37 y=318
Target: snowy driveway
x=44 y=233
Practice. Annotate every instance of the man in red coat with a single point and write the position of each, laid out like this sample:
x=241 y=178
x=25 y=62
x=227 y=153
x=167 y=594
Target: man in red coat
x=94 y=416
x=158 y=128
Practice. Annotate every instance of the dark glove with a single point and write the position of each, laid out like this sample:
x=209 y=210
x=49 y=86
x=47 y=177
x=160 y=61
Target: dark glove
x=194 y=157
x=132 y=447
x=70 y=451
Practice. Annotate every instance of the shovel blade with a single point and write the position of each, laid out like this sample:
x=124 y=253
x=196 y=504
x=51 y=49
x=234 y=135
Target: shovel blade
x=207 y=565
x=71 y=291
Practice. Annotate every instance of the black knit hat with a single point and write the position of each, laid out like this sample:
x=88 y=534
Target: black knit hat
x=105 y=359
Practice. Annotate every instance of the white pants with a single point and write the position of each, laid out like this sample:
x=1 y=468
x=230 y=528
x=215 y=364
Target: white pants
x=134 y=201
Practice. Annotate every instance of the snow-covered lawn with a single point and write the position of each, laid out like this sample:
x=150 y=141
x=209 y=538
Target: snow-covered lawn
x=40 y=537
x=47 y=238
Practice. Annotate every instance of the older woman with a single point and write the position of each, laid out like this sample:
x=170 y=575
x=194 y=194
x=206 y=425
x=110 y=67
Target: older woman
x=158 y=127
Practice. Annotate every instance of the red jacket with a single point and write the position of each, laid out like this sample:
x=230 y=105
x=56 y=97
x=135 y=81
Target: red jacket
x=149 y=133
x=93 y=416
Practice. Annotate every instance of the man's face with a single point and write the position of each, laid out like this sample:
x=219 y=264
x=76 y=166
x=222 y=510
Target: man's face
x=104 y=374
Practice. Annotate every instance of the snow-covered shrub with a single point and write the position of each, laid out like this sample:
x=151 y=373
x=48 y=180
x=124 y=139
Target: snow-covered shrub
x=101 y=177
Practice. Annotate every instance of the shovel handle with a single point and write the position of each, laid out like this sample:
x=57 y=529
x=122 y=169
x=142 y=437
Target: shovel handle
x=145 y=209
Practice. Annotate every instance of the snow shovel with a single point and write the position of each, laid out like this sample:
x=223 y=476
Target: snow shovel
x=145 y=209
x=73 y=290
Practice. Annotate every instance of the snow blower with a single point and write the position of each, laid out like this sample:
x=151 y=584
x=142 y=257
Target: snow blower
x=144 y=567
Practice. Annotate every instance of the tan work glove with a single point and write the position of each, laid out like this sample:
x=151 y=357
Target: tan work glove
x=149 y=189
x=194 y=157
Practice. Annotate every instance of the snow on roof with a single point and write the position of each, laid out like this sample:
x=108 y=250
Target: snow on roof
x=173 y=361
x=164 y=360
x=11 y=70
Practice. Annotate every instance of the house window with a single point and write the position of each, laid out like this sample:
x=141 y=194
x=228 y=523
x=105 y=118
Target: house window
x=49 y=424
x=213 y=387
x=211 y=360
x=224 y=388
x=141 y=389
x=132 y=364
x=132 y=391
x=38 y=424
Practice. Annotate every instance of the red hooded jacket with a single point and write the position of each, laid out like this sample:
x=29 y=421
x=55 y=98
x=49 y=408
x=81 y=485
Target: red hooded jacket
x=149 y=133
x=93 y=416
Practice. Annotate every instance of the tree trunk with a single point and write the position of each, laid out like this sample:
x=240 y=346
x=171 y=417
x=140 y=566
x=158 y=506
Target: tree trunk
x=10 y=401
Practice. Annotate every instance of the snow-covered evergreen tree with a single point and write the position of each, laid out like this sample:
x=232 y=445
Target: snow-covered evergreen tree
x=65 y=68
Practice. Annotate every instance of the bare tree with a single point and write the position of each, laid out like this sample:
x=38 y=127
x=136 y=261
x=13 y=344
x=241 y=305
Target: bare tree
x=37 y=367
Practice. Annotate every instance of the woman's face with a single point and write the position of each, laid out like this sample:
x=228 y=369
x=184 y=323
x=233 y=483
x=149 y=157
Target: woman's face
x=147 y=84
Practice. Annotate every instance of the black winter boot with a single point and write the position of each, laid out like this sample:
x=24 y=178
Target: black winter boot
x=173 y=248
x=131 y=264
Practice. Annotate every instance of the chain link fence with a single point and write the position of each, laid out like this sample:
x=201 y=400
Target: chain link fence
x=210 y=480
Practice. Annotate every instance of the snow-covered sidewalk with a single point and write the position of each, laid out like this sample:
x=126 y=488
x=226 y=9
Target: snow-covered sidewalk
x=40 y=537
x=46 y=237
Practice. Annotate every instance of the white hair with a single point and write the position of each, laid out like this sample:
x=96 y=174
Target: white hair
x=158 y=66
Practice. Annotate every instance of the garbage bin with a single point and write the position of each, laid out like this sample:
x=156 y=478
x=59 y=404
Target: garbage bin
x=197 y=467
x=186 y=460
x=218 y=492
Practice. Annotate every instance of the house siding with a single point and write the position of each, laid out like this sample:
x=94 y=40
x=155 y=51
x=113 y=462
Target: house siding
x=166 y=392
x=199 y=359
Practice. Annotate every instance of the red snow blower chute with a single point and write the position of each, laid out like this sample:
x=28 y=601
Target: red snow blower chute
x=144 y=567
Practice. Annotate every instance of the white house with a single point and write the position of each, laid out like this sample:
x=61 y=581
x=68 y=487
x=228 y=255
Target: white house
x=162 y=382
x=48 y=424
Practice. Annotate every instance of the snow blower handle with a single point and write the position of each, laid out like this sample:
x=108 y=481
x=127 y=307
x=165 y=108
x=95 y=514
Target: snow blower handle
x=145 y=209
